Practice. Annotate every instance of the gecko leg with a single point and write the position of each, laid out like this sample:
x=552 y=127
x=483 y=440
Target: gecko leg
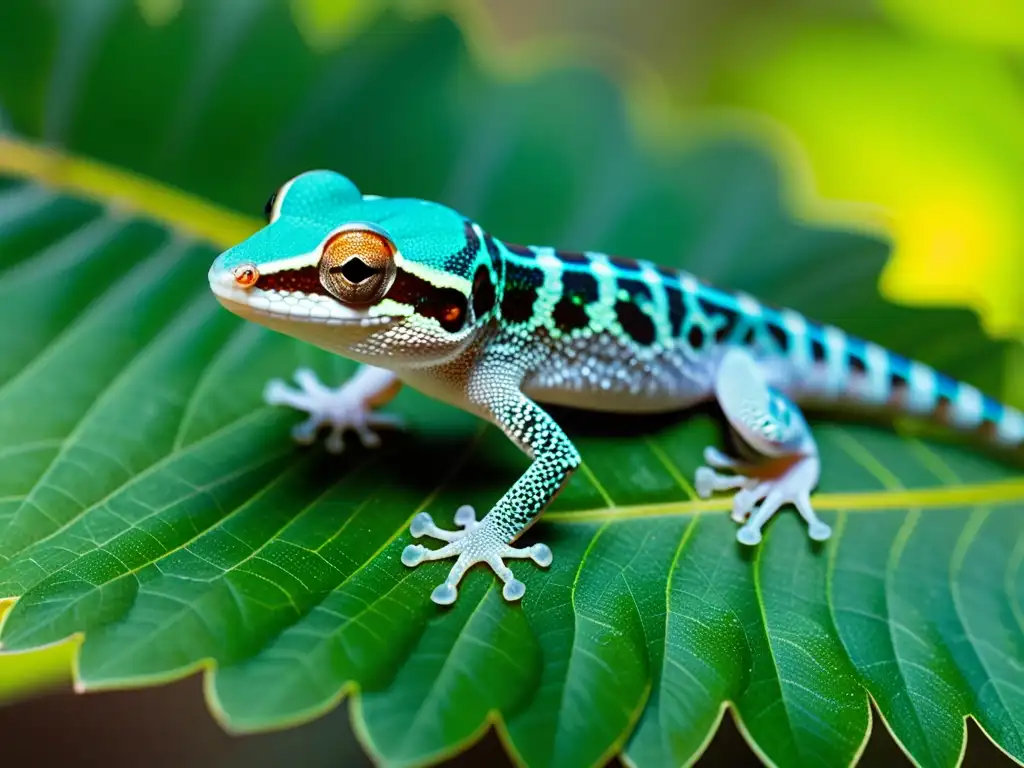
x=784 y=467
x=489 y=540
x=349 y=406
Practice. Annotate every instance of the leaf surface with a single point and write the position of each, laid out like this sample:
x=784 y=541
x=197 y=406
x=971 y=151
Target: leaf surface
x=149 y=500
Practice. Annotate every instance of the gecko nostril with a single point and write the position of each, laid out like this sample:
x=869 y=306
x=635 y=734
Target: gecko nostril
x=246 y=275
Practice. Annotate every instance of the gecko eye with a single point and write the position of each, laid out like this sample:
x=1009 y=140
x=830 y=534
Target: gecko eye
x=358 y=266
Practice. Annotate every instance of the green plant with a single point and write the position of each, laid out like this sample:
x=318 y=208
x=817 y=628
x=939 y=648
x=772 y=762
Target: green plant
x=149 y=501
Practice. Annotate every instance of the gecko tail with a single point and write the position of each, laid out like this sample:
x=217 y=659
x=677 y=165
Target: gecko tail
x=963 y=407
x=845 y=370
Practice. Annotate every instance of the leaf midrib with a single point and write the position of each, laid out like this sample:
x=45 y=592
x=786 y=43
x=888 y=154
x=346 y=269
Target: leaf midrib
x=990 y=494
x=94 y=180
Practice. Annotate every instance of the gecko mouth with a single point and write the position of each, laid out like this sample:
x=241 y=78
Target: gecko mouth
x=293 y=306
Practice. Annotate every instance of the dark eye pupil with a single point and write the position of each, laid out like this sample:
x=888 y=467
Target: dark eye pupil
x=356 y=270
x=269 y=207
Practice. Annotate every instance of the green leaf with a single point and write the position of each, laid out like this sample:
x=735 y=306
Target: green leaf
x=150 y=501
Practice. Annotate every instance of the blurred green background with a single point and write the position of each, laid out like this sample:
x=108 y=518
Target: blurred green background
x=908 y=112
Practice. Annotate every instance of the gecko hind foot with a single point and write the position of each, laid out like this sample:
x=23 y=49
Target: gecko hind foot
x=340 y=409
x=477 y=542
x=783 y=467
x=758 y=498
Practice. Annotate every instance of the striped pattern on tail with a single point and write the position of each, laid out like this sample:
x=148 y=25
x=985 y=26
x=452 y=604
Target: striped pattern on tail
x=845 y=369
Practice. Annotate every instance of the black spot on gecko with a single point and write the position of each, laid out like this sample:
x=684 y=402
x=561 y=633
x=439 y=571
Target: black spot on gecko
x=635 y=322
x=572 y=257
x=667 y=273
x=695 y=337
x=779 y=334
x=579 y=286
x=517 y=304
x=523 y=276
x=569 y=315
x=731 y=317
x=817 y=350
x=521 y=250
x=521 y=285
x=578 y=290
x=676 y=309
x=857 y=363
x=623 y=264
x=483 y=293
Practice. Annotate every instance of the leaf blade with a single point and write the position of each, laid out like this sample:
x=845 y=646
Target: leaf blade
x=283 y=582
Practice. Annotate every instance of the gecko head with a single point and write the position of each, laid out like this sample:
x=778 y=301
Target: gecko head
x=361 y=275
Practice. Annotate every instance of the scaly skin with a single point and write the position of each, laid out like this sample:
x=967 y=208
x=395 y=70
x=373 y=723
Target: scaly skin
x=427 y=298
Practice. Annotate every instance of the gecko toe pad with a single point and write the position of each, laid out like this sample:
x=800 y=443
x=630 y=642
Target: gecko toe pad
x=819 y=531
x=750 y=537
x=513 y=590
x=541 y=555
x=704 y=482
x=465 y=516
x=477 y=542
x=421 y=525
x=444 y=594
x=413 y=554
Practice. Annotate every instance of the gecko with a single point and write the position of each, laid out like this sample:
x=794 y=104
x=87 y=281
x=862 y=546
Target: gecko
x=420 y=295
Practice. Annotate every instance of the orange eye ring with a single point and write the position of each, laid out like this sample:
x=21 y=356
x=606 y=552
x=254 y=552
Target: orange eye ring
x=357 y=266
x=246 y=275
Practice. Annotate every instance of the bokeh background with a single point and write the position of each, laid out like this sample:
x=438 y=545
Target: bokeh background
x=908 y=115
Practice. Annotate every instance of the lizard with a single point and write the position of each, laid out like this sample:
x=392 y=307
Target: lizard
x=420 y=295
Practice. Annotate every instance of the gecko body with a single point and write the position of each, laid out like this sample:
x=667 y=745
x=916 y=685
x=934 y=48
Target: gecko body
x=423 y=296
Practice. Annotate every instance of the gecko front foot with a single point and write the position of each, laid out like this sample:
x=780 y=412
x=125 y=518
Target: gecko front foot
x=347 y=407
x=477 y=542
x=762 y=490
